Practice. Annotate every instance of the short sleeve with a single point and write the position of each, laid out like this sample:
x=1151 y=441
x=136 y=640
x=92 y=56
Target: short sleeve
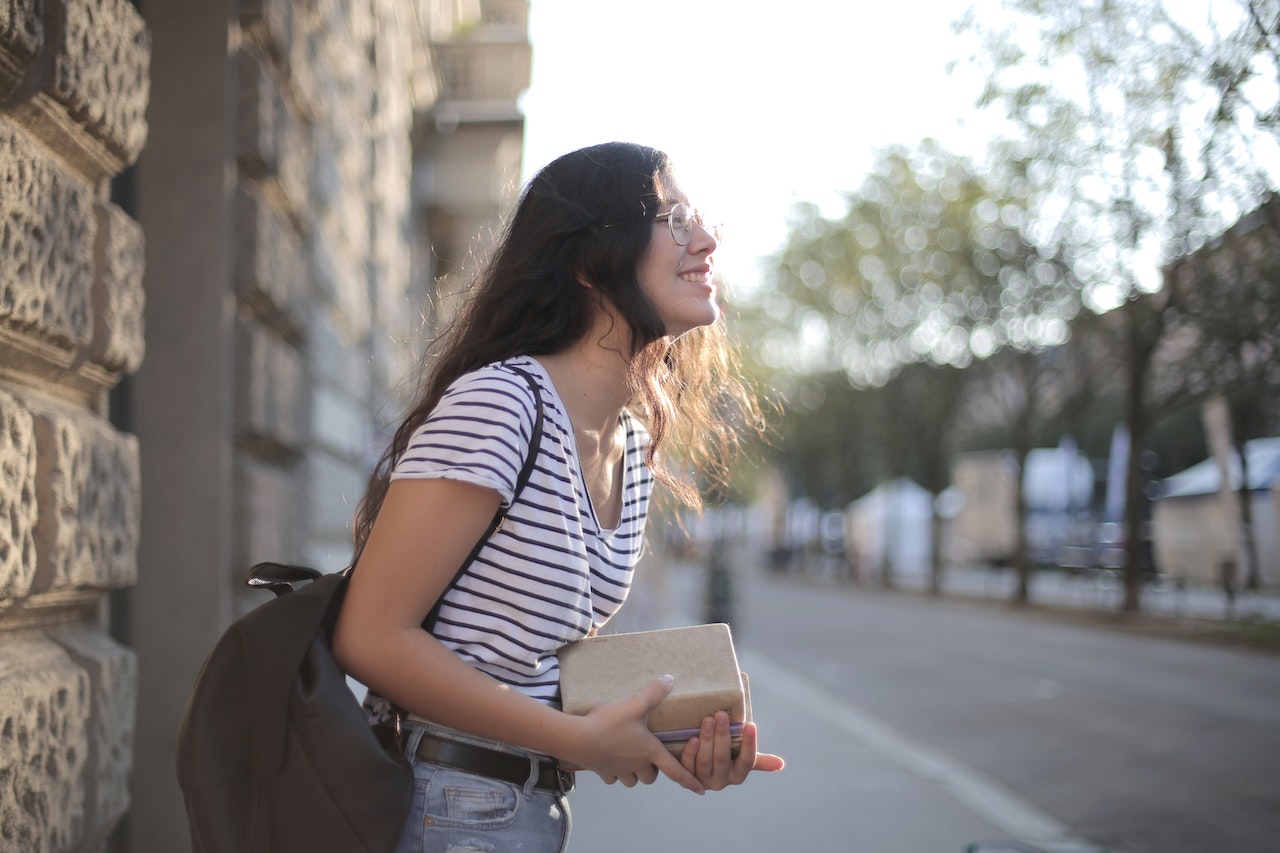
x=479 y=433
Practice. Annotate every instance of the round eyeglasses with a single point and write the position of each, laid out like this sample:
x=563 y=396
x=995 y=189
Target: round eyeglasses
x=681 y=219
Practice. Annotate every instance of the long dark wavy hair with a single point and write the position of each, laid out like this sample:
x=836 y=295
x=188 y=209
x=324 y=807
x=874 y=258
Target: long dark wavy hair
x=587 y=217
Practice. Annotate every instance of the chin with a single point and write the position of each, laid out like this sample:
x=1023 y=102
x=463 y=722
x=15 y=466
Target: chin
x=677 y=330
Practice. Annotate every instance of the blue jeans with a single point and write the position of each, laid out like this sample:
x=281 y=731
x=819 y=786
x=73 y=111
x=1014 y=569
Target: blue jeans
x=459 y=812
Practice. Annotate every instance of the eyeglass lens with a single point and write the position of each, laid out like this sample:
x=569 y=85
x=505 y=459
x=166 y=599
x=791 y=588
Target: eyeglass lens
x=681 y=220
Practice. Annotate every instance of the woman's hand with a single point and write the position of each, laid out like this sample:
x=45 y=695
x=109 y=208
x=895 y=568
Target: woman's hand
x=707 y=756
x=617 y=745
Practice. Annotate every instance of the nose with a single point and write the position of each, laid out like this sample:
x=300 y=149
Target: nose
x=702 y=240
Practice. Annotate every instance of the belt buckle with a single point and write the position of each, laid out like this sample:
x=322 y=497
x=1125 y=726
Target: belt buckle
x=565 y=780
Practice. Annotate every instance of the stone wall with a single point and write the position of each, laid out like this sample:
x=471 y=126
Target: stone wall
x=280 y=312
x=73 y=90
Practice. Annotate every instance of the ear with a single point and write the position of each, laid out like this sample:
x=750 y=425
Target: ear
x=582 y=280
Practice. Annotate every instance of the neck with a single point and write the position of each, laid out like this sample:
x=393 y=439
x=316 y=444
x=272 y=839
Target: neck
x=591 y=381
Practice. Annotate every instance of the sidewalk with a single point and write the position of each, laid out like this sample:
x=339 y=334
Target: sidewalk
x=1099 y=591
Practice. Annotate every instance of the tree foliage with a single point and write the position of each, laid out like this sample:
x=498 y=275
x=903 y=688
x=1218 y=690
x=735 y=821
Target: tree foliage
x=928 y=264
x=1151 y=131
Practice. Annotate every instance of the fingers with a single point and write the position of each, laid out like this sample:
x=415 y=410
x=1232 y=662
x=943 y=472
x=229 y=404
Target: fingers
x=709 y=757
x=713 y=751
x=652 y=694
x=689 y=756
x=647 y=776
x=746 y=760
x=763 y=761
x=723 y=770
x=621 y=747
x=674 y=770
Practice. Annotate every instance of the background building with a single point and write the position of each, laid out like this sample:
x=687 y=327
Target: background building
x=245 y=192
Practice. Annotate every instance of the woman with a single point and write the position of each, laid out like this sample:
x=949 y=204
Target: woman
x=601 y=290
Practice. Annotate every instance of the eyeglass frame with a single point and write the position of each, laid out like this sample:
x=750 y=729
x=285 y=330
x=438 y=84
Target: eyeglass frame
x=695 y=218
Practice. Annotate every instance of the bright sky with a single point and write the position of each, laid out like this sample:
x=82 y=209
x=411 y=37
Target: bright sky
x=760 y=105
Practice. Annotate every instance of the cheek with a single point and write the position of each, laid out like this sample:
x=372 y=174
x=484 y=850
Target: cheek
x=655 y=273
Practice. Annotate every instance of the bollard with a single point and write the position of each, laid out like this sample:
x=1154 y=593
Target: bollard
x=719 y=584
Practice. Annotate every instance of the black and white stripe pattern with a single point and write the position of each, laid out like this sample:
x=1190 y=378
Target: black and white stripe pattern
x=550 y=574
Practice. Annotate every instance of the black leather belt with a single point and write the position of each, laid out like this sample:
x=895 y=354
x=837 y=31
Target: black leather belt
x=490 y=762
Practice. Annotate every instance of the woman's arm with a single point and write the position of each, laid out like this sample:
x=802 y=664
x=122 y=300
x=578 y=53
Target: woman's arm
x=424 y=530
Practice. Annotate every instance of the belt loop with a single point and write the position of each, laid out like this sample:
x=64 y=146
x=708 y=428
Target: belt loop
x=535 y=770
x=564 y=780
x=410 y=736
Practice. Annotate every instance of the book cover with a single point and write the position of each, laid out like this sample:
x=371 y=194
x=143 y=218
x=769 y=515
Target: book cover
x=609 y=667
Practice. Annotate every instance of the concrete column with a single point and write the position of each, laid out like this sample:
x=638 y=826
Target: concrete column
x=183 y=395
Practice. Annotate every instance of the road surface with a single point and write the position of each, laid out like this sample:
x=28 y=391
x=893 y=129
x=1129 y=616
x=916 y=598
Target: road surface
x=914 y=725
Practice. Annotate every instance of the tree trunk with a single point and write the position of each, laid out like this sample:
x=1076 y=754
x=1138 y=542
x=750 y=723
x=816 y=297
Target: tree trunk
x=1139 y=362
x=889 y=529
x=935 y=551
x=1021 y=557
x=1022 y=440
x=1249 y=543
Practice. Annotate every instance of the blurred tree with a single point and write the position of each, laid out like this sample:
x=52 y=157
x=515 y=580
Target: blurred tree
x=929 y=268
x=918 y=416
x=1231 y=294
x=1152 y=131
x=1016 y=394
x=826 y=437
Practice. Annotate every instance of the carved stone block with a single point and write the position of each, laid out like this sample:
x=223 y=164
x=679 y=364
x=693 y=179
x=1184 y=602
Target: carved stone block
x=118 y=297
x=268 y=513
x=88 y=488
x=21 y=32
x=334 y=355
x=272 y=143
x=339 y=275
x=102 y=74
x=270 y=24
x=46 y=240
x=17 y=498
x=44 y=745
x=113 y=684
x=294 y=167
x=334 y=488
x=271 y=378
x=261 y=110
x=270 y=266
x=341 y=423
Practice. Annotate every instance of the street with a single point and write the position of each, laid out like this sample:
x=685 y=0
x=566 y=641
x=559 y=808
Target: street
x=914 y=725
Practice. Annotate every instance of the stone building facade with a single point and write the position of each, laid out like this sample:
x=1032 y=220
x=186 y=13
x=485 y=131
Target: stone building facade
x=236 y=189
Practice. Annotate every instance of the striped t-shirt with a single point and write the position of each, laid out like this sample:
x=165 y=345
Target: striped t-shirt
x=550 y=573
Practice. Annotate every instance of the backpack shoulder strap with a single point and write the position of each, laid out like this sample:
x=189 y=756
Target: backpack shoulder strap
x=535 y=441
